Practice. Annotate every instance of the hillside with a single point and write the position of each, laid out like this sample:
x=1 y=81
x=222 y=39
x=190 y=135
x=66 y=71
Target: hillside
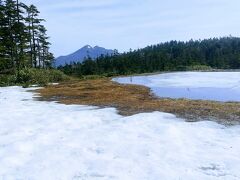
x=217 y=53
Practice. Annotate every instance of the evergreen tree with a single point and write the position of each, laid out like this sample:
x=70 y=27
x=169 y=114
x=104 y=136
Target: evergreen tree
x=23 y=39
x=43 y=47
x=33 y=26
x=3 y=25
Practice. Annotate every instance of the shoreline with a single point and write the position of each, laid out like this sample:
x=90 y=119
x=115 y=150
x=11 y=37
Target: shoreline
x=134 y=99
x=164 y=72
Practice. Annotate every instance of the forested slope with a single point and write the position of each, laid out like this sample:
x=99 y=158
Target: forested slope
x=219 y=53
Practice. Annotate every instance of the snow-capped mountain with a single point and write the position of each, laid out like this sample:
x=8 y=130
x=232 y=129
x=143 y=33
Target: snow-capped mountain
x=81 y=54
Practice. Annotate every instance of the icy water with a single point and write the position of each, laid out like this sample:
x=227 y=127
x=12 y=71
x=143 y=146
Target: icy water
x=216 y=86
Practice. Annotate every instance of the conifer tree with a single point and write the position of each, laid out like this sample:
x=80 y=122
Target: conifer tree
x=43 y=45
x=4 y=62
x=10 y=33
x=3 y=25
x=22 y=35
x=33 y=26
x=23 y=38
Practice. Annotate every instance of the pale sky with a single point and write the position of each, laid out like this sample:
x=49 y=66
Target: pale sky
x=125 y=24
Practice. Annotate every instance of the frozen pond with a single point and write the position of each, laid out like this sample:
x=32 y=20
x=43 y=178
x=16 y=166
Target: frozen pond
x=46 y=140
x=216 y=86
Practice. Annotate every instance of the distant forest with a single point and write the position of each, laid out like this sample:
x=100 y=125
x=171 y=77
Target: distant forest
x=23 y=38
x=218 y=53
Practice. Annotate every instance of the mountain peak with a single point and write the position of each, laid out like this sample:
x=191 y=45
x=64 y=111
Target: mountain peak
x=87 y=47
x=81 y=54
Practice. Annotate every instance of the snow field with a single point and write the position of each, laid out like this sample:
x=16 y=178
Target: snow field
x=46 y=140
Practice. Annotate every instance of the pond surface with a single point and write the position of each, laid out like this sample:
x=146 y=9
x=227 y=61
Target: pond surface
x=216 y=86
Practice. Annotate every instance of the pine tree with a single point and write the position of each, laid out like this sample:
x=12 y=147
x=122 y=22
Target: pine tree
x=4 y=62
x=33 y=27
x=10 y=35
x=3 y=25
x=23 y=39
x=22 y=34
x=43 y=45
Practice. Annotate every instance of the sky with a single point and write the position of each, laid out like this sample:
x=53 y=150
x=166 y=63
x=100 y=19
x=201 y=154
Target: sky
x=125 y=24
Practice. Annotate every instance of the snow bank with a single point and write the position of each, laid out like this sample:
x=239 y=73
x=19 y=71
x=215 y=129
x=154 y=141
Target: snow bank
x=219 y=86
x=46 y=140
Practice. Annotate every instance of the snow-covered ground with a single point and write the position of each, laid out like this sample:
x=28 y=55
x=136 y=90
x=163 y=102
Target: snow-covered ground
x=46 y=140
x=218 y=86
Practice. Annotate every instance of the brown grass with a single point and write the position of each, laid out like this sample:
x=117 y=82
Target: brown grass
x=133 y=99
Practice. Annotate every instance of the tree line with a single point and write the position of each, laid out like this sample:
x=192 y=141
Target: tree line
x=219 y=53
x=23 y=38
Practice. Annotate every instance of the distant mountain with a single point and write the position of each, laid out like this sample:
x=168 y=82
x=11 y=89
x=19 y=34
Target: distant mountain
x=81 y=54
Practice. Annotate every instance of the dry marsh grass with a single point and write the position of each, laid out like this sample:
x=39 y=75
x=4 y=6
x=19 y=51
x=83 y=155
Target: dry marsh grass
x=133 y=99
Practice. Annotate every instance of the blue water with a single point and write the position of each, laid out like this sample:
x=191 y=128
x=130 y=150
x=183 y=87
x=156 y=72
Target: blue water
x=201 y=93
x=214 y=86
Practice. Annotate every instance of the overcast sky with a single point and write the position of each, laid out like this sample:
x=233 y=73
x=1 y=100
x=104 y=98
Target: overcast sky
x=125 y=24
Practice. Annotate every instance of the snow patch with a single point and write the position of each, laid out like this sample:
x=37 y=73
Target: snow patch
x=46 y=140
